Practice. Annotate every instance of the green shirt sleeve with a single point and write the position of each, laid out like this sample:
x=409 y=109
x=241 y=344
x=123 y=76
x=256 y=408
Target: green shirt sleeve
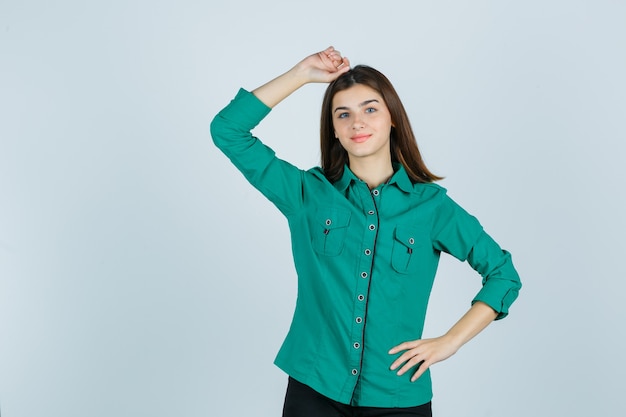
x=231 y=129
x=460 y=234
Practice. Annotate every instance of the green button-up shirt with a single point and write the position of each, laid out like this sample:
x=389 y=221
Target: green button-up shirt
x=366 y=261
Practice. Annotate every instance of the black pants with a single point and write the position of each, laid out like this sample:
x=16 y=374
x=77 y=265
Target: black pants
x=303 y=401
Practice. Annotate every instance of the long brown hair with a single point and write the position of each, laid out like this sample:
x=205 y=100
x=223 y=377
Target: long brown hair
x=402 y=140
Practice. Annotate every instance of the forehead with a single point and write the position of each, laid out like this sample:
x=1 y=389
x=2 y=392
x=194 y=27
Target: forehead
x=355 y=95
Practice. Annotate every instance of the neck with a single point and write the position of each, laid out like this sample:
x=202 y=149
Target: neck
x=373 y=172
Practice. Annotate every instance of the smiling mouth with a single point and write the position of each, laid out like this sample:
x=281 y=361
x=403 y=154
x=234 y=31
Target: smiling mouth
x=360 y=138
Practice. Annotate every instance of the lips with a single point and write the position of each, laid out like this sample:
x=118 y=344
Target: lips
x=360 y=138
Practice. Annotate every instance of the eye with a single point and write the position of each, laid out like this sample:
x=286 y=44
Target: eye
x=370 y=110
x=343 y=115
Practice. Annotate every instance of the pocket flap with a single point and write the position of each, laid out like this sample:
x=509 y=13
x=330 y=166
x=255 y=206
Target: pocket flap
x=407 y=236
x=333 y=218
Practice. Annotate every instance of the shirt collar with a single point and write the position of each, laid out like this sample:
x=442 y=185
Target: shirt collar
x=400 y=178
x=346 y=179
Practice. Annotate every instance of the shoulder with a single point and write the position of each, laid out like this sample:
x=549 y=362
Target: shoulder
x=437 y=198
x=316 y=172
x=430 y=190
x=315 y=175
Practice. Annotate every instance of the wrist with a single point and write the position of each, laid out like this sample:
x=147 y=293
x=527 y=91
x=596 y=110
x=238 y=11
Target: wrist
x=453 y=340
x=300 y=75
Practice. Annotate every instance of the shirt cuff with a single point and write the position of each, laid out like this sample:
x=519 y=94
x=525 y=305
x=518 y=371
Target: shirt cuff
x=246 y=109
x=499 y=295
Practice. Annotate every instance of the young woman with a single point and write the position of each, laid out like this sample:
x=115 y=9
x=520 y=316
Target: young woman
x=367 y=230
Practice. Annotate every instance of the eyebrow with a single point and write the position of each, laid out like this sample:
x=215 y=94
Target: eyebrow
x=365 y=103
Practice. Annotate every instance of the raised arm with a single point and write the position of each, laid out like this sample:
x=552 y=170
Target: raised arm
x=232 y=127
x=322 y=67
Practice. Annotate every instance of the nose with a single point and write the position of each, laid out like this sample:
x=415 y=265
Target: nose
x=358 y=122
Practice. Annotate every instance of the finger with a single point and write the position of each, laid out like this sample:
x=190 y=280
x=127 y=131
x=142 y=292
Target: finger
x=343 y=69
x=399 y=348
x=328 y=61
x=422 y=367
x=405 y=357
x=396 y=363
x=336 y=57
x=396 y=349
x=325 y=56
x=416 y=361
x=337 y=62
x=404 y=345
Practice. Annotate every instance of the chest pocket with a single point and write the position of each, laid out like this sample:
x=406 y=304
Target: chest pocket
x=329 y=231
x=407 y=241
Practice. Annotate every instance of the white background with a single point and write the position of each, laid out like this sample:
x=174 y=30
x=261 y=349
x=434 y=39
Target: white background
x=140 y=275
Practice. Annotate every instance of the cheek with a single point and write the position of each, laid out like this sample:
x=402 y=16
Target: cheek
x=338 y=129
x=341 y=143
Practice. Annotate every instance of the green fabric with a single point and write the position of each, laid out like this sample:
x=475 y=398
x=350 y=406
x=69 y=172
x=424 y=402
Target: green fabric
x=366 y=261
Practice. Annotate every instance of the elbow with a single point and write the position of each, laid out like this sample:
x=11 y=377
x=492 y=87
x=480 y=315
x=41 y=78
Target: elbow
x=215 y=130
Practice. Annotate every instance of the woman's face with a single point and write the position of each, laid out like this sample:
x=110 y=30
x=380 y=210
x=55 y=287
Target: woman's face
x=362 y=122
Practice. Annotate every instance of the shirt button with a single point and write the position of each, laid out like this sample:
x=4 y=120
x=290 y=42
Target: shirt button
x=368 y=252
x=356 y=345
x=359 y=320
x=364 y=274
x=371 y=212
x=354 y=372
x=375 y=192
x=328 y=222
x=372 y=227
x=361 y=297
x=411 y=241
